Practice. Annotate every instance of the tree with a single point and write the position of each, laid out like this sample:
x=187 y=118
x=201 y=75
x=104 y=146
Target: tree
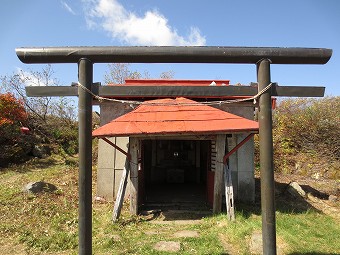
x=51 y=120
x=12 y=116
x=309 y=125
x=119 y=72
x=167 y=75
x=37 y=107
x=12 y=110
x=306 y=136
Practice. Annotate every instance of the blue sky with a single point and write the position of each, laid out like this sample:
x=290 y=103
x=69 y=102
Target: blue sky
x=290 y=23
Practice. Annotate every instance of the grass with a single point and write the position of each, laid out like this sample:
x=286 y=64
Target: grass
x=47 y=223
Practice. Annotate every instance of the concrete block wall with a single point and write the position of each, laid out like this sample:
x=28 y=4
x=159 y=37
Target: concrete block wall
x=111 y=161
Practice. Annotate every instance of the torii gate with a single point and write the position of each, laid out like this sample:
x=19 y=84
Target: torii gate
x=262 y=57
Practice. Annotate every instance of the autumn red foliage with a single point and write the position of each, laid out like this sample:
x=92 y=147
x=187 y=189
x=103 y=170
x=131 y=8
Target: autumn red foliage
x=12 y=110
x=14 y=144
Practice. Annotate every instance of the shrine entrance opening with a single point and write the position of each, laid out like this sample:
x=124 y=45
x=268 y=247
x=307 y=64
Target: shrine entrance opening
x=175 y=173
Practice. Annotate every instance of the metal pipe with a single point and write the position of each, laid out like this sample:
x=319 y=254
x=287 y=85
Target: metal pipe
x=266 y=160
x=174 y=54
x=85 y=76
x=225 y=158
x=127 y=154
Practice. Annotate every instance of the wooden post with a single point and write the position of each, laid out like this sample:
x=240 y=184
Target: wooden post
x=153 y=160
x=198 y=161
x=218 y=183
x=266 y=160
x=121 y=191
x=85 y=73
x=134 y=145
x=229 y=193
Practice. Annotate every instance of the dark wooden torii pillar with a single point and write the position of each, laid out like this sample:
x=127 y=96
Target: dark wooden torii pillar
x=261 y=56
x=266 y=159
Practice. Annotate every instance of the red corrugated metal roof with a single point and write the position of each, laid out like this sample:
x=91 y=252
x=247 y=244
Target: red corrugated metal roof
x=175 y=116
x=171 y=82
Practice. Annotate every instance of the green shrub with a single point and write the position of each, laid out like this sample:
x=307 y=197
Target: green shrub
x=308 y=125
x=306 y=135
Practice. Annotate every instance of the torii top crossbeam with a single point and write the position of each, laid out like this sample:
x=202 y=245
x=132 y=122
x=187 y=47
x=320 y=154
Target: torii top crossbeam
x=172 y=54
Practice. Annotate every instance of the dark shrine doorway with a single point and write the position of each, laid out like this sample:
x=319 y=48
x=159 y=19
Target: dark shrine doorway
x=174 y=173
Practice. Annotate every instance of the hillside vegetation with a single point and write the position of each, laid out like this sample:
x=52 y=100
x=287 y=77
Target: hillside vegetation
x=49 y=124
x=306 y=137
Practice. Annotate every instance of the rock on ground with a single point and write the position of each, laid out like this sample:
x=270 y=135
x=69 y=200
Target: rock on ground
x=186 y=233
x=255 y=245
x=228 y=247
x=295 y=190
x=40 y=186
x=169 y=246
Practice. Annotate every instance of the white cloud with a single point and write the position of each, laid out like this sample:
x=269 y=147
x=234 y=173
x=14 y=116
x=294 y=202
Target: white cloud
x=150 y=29
x=34 y=78
x=67 y=8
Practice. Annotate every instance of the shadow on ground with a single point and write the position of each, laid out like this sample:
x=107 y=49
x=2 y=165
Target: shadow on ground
x=312 y=253
x=285 y=203
x=28 y=166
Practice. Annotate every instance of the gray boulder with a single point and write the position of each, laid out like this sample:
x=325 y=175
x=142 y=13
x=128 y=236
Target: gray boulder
x=39 y=187
x=296 y=190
